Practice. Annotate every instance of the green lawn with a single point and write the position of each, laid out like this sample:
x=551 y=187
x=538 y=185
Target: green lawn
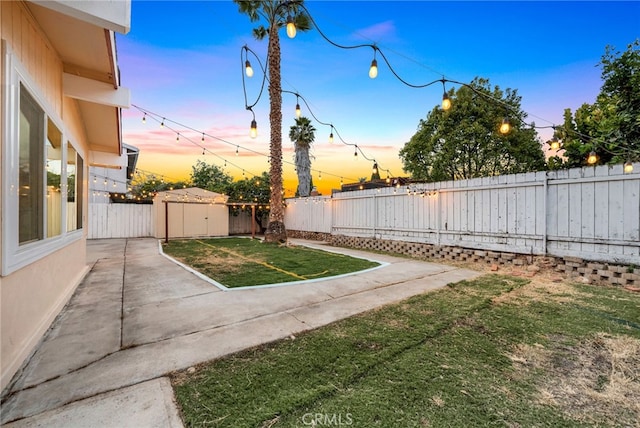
x=241 y=262
x=496 y=351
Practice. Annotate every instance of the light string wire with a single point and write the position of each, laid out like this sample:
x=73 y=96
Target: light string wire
x=163 y=120
x=507 y=106
x=265 y=78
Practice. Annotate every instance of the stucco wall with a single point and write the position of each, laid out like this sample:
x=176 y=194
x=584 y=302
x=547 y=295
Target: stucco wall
x=31 y=297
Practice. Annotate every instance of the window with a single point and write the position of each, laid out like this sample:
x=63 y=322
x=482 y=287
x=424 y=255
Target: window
x=75 y=166
x=30 y=208
x=54 y=180
x=41 y=176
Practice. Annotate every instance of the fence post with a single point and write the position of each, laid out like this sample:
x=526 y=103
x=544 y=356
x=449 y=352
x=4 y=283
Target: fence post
x=166 y=222
x=545 y=205
x=375 y=215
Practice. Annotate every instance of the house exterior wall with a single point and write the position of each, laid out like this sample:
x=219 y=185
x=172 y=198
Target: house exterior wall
x=32 y=295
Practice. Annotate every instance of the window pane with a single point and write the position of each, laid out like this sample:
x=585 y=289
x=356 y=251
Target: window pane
x=54 y=173
x=79 y=190
x=31 y=136
x=72 y=210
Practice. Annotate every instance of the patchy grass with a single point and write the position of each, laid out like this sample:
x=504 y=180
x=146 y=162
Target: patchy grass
x=497 y=350
x=241 y=262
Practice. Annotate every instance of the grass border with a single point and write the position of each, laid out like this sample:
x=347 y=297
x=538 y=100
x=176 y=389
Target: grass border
x=202 y=276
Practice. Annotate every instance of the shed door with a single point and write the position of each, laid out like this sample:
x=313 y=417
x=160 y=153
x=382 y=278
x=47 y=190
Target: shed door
x=195 y=220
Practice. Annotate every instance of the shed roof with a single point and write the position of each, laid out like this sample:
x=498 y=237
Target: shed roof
x=191 y=194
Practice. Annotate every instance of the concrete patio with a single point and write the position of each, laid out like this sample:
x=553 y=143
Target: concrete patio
x=137 y=317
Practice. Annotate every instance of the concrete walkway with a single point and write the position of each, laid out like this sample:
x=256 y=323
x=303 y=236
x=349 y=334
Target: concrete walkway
x=137 y=317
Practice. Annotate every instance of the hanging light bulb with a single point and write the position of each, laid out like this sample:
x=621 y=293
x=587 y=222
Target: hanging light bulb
x=355 y=153
x=341 y=182
x=202 y=152
x=592 y=158
x=298 y=111
x=291 y=27
x=505 y=126
x=162 y=123
x=253 y=133
x=202 y=137
x=375 y=168
x=178 y=137
x=446 y=102
x=373 y=70
x=331 y=136
x=237 y=147
x=144 y=118
x=554 y=143
x=628 y=167
x=319 y=175
x=247 y=69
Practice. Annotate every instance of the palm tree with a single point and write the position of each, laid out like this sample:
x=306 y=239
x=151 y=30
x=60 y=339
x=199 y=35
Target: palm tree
x=276 y=13
x=303 y=134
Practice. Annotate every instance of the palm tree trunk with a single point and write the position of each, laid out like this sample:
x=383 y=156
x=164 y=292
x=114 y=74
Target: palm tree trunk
x=275 y=229
x=303 y=168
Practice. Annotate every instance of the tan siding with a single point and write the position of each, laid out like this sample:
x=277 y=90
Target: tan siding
x=30 y=45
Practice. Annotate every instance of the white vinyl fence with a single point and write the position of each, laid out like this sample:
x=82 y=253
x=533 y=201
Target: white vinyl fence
x=592 y=213
x=120 y=221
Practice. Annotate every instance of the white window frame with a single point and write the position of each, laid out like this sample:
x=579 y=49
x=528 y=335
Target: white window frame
x=14 y=255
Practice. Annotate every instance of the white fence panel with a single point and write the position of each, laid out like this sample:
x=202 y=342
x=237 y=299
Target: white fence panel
x=592 y=213
x=120 y=221
x=309 y=214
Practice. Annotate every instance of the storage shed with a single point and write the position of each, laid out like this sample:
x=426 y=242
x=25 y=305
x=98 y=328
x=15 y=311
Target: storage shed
x=190 y=213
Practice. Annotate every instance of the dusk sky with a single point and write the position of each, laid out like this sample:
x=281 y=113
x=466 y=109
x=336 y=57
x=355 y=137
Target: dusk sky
x=181 y=61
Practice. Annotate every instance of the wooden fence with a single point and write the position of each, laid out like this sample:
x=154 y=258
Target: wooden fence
x=120 y=221
x=591 y=213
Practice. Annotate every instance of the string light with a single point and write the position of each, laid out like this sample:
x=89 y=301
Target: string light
x=202 y=137
x=162 y=123
x=355 y=153
x=592 y=158
x=628 y=167
x=291 y=27
x=237 y=148
x=144 y=118
x=178 y=136
x=331 y=136
x=505 y=126
x=554 y=143
x=373 y=70
x=375 y=168
x=298 y=111
x=247 y=69
x=446 y=102
x=253 y=133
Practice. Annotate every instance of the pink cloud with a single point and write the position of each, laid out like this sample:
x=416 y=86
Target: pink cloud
x=382 y=31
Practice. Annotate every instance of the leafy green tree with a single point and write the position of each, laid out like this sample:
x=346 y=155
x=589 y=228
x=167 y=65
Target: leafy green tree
x=611 y=125
x=275 y=13
x=251 y=190
x=210 y=177
x=464 y=142
x=303 y=135
x=145 y=187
